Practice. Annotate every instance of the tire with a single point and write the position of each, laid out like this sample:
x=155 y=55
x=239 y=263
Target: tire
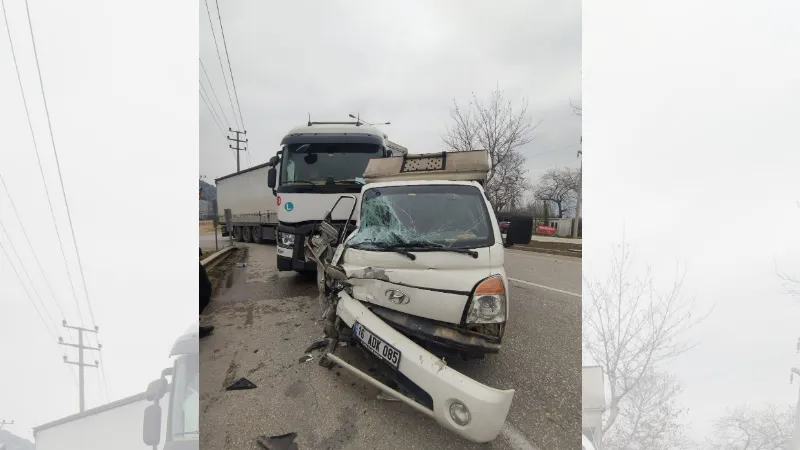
x=247 y=234
x=256 y=233
x=237 y=234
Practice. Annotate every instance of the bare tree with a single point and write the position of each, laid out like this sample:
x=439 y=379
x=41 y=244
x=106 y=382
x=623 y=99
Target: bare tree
x=576 y=109
x=790 y=282
x=509 y=184
x=501 y=129
x=560 y=187
x=630 y=329
x=745 y=428
x=650 y=418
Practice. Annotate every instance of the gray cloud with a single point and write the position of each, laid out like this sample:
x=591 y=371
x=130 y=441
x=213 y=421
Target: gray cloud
x=400 y=63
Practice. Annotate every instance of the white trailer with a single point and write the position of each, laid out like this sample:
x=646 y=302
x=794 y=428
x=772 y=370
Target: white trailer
x=254 y=211
x=116 y=425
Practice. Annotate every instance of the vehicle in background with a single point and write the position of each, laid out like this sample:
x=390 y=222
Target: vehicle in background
x=420 y=278
x=317 y=163
x=137 y=422
x=182 y=425
x=504 y=226
x=116 y=425
x=254 y=210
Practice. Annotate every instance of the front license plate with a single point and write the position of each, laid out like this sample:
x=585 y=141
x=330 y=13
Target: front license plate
x=377 y=346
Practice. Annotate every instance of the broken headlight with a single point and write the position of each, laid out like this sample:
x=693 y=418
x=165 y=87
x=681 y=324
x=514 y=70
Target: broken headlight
x=285 y=240
x=488 y=302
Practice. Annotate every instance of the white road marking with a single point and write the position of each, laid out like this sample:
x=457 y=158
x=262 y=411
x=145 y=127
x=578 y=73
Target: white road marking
x=546 y=287
x=515 y=438
x=528 y=255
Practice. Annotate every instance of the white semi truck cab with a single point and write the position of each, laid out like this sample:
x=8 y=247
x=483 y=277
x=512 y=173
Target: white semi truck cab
x=318 y=163
x=183 y=408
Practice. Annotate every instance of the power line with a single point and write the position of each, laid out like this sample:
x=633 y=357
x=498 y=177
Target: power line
x=209 y=104
x=27 y=239
x=213 y=91
x=58 y=166
x=103 y=371
x=52 y=333
x=38 y=158
x=224 y=78
x=61 y=181
x=213 y=115
x=228 y=57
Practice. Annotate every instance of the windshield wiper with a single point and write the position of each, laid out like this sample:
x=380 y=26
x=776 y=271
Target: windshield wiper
x=386 y=247
x=438 y=247
x=348 y=182
x=301 y=181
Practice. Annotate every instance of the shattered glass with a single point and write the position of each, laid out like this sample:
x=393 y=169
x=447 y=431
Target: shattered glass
x=448 y=216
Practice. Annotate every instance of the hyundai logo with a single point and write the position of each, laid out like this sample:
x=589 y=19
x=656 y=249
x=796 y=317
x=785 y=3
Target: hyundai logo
x=397 y=297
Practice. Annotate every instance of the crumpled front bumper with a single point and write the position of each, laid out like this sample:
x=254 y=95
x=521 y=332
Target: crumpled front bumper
x=488 y=406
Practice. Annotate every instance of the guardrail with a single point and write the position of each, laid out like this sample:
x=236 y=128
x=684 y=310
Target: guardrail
x=217 y=257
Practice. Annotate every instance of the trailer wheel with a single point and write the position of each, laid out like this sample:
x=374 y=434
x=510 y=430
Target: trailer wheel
x=237 y=234
x=247 y=236
x=256 y=233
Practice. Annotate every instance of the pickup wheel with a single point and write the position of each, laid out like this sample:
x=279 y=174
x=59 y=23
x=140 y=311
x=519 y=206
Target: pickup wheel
x=256 y=234
x=237 y=234
x=247 y=235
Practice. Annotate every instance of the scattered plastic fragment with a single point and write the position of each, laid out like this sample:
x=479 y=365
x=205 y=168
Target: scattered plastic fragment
x=243 y=265
x=280 y=442
x=305 y=358
x=316 y=345
x=240 y=384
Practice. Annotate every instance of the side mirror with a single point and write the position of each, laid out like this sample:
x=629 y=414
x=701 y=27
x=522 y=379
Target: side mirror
x=272 y=176
x=520 y=231
x=151 y=428
x=389 y=153
x=156 y=389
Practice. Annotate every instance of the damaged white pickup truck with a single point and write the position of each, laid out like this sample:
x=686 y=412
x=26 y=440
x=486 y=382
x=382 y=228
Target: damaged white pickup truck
x=417 y=278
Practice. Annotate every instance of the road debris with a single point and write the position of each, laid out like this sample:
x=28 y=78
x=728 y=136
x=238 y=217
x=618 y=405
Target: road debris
x=280 y=442
x=305 y=358
x=241 y=384
x=316 y=345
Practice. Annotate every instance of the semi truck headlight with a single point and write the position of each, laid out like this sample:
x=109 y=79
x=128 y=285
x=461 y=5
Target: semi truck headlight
x=459 y=413
x=488 y=302
x=285 y=240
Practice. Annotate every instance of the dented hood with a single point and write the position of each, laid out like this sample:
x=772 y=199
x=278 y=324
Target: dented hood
x=436 y=285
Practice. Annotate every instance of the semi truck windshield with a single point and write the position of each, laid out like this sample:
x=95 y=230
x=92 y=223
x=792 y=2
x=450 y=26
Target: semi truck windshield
x=315 y=163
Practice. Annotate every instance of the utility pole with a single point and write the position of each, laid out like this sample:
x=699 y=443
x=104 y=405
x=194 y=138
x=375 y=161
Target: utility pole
x=237 y=148
x=80 y=363
x=580 y=194
x=5 y=422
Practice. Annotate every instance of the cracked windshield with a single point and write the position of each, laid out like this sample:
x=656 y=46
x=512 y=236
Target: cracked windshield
x=434 y=216
x=315 y=163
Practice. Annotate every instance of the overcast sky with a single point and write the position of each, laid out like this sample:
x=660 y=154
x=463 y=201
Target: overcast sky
x=125 y=136
x=402 y=62
x=690 y=143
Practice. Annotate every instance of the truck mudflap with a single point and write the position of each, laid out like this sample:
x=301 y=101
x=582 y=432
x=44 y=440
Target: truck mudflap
x=487 y=407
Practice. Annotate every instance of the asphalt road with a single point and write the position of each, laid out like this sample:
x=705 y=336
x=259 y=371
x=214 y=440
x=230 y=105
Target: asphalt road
x=265 y=319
